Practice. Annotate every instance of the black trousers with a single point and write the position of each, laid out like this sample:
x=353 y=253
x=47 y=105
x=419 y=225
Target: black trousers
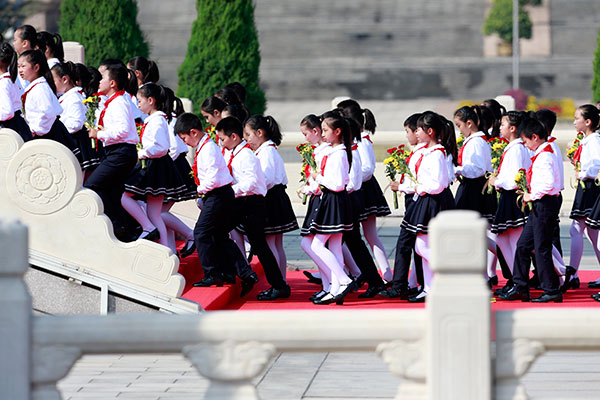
x=358 y=248
x=108 y=179
x=405 y=248
x=218 y=254
x=250 y=213
x=537 y=236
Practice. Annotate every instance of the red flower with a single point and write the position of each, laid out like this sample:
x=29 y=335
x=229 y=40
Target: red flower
x=98 y=94
x=392 y=150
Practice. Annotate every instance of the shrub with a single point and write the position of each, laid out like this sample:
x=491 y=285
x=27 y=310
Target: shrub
x=107 y=28
x=499 y=20
x=223 y=48
x=596 y=78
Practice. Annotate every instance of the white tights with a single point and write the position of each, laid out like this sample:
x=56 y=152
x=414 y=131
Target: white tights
x=151 y=218
x=507 y=242
x=422 y=248
x=578 y=227
x=332 y=257
x=324 y=272
x=349 y=262
x=370 y=231
x=175 y=225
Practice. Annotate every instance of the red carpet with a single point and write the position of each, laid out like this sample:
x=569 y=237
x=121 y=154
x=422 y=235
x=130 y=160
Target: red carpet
x=227 y=297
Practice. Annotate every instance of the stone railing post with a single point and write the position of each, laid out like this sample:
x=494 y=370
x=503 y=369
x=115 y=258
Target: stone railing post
x=458 y=309
x=15 y=312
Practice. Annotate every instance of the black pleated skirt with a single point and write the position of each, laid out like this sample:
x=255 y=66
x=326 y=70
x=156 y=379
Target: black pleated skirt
x=375 y=203
x=585 y=198
x=311 y=212
x=18 y=124
x=60 y=134
x=509 y=214
x=333 y=214
x=158 y=178
x=90 y=157
x=418 y=215
x=185 y=172
x=280 y=216
x=469 y=196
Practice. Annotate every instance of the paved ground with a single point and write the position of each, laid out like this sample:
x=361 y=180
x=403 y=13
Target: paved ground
x=315 y=376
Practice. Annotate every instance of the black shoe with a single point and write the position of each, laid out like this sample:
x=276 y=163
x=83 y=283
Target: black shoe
x=274 y=294
x=248 y=283
x=570 y=271
x=504 y=289
x=419 y=298
x=515 y=293
x=360 y=281
x=188 y=249
x=371 y=292
x=546 y=297
x=317 y=295
x=152 y=236
x=209 y=281
x=327 y=298
x=596 y=296
x=312 y=278
x=339 y=299
x=493 y=281
x=393 y=293
x=594 y=284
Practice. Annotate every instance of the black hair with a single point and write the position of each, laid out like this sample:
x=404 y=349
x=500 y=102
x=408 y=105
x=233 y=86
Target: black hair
x=355 y=132
x=8 y=57
x=147 y=68
x=83 y=76
x=27 y=32
x=66 y=69
x=547 y=118
x=132 y=82
x=363 y=116
x=228 y=95
x=487 y=121
x=530 y=127
x=444 y=131
x=337 y=121
x=186 y=122
x=238 y=111
x=514 y=118
x=469 y=113
x=589 y=111
x=411 y=122
x=212 y=103
x=158 y=93
x=173 y=102
x=239 y=89
x=497 y=109
x=268 y=125
x=118 y=73
x=229 y=126
x=311 y=121
x=36 y=57
x=53 y=42
x=110 y=61
x=92 y=85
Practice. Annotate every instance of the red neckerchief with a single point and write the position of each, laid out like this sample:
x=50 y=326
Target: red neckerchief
x=354 y=147
x=24 y=95
x=547 y=149
x=418 y=164
x=195 y=166
x=114 y=96
x=368 y=138
x=552 y=139
x=233 y=154
x=323 y=164
x=577 y=155
x=144 y=128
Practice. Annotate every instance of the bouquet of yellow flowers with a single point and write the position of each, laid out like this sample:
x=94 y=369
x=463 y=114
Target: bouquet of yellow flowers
x=460 y=141
x=498 y=145
x=306 y=150
x=397 y=163
x=523 y=186
x=140 y=132
x=210 y=131
x=91 y=104
x=572 y=151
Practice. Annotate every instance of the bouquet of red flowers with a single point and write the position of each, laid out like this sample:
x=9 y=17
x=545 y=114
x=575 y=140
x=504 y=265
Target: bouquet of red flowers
x=210 y=131
x=306 y=150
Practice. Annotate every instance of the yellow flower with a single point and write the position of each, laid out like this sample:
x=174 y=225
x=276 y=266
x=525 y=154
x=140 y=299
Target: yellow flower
x=497 y=146
x=460 y=139
x=494 y=160
x=388 y=160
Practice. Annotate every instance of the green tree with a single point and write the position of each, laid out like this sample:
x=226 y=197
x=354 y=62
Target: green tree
x=596 y=78
x=223 y=48
x=499 y=20
x=107 y=28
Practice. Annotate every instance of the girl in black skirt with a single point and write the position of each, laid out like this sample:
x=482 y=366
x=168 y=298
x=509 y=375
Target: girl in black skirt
x=155 y=175
x=432 y=194
x=10 y=96
x=585 y=206
x=375 y=203
x=73 y=115
x=263 y=135
x=510 y=219
x=334 y=214
x=40 y=103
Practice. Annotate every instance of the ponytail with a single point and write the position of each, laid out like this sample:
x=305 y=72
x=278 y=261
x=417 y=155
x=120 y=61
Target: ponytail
x=159 y=94
x=311 y=121
x=36 y=57
x=47 y=40
x=370 y=123
x=8 y=57
x=467 y=113
x=148 y=69
x=268 y=125
x=364 y=117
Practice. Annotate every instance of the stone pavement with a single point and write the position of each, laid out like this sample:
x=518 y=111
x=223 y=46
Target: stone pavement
x=315 y=376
